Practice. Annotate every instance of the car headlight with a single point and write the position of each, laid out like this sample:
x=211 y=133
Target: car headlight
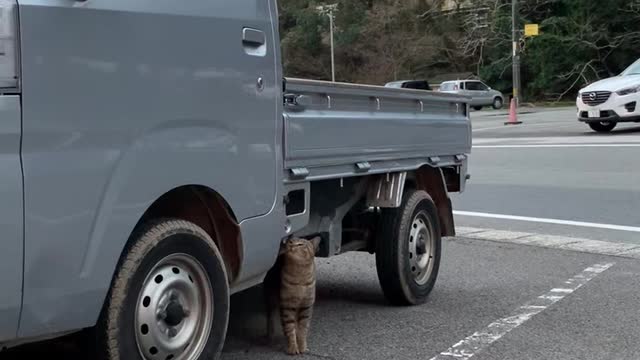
x=627 y=91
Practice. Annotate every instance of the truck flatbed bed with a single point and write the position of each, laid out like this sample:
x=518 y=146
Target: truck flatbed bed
x=336 y=130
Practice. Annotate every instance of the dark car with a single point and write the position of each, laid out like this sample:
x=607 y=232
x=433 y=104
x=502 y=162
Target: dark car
x=410 y=84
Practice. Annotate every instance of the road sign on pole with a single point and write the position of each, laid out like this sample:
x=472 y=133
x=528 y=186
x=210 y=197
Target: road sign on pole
x=531 y=30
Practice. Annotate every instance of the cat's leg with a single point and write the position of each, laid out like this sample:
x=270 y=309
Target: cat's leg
x=289 y=325
x=304 y=323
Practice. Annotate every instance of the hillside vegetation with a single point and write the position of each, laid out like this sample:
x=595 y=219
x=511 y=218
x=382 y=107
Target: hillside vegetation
x=383 y=40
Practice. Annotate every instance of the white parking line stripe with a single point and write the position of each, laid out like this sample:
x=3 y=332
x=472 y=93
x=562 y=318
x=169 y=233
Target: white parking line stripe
x=626 y=250
x=549 y=221
x=475 y=343
x=547 y=146
x=562 y=290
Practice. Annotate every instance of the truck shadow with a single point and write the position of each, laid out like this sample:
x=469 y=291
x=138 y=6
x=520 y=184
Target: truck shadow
x=247 y=322
x=71 y=347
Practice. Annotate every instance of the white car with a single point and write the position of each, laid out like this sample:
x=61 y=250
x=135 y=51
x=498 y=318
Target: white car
x=604 y=104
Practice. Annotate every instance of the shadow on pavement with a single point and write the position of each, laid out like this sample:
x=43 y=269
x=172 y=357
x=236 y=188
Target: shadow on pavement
x=626 y=130
x=247 y=323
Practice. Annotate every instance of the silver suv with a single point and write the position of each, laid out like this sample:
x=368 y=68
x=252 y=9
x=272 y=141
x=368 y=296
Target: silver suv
x=481 y=95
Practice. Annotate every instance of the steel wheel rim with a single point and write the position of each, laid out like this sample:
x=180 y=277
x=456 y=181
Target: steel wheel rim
x=174 y=312
x=421 y=248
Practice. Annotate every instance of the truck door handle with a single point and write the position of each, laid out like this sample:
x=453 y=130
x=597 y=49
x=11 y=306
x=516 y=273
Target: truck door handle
x=253 y=37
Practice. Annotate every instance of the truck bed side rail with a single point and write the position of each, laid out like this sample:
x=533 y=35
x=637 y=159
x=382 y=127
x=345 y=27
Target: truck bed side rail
x=338 y=130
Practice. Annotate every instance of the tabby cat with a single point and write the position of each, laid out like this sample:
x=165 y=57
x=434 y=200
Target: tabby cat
x=291 y=287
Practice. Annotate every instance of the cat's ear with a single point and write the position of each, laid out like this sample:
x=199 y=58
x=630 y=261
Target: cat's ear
x=316 y=243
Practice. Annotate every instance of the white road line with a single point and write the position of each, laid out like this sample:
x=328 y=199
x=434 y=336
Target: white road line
x=549 y=221
x=549 y=124
x=551 y=140
x=542 y=146
x=475 y=343
x=562 y=290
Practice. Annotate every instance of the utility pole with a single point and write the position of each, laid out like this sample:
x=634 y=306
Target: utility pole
x=329 y=11
x=333 y=55
x=517 y=95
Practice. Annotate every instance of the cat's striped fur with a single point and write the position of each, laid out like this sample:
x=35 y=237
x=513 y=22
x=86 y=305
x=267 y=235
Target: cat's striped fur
x=291 y=287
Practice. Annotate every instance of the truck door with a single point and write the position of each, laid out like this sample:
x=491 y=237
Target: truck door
x=11 y=234
x=257 y=96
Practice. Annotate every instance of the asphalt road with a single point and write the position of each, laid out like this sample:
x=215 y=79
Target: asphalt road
x=553 y=167
x=493 y=300
x=481 y=283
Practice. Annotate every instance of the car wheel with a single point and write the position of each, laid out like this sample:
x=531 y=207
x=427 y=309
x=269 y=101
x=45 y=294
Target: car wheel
x=477 y=108
x=169 y=299
x=497 y=103
x=603 y=127
x=408 y=250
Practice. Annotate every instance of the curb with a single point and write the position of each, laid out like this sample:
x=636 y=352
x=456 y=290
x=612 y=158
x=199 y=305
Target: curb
x=589 y=246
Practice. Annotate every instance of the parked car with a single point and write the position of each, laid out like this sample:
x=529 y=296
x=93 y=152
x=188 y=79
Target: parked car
x=140 y=187
x=410 y=84
x=605 y=103
x=481 y=95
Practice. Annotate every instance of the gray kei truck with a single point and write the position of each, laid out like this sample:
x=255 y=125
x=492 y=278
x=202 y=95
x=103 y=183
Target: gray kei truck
x=153 y=158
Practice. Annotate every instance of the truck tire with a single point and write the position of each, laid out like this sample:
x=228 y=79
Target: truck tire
x=602 y=127
x=408 y=250
x=169 y=298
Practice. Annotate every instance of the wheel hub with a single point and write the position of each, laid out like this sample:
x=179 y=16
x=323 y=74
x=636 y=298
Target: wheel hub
x=175 y=314
x=175 y=310
x=421 y=248
x=421 y=244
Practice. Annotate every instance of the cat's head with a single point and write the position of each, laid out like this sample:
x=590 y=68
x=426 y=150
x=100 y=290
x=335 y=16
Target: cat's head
x=301 y=249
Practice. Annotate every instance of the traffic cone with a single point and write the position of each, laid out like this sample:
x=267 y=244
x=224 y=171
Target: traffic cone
x=513 y=114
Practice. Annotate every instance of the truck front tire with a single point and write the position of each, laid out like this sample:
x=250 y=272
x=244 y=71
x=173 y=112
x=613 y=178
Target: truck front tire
x=408 y=250
x=169 y=298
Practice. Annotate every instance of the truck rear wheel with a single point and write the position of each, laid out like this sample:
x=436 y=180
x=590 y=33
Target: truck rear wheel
x=169 y=299
x=408 y=250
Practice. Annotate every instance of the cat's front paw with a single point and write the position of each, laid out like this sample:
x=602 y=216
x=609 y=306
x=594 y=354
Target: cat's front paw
x=292 y=349
x=302 y=346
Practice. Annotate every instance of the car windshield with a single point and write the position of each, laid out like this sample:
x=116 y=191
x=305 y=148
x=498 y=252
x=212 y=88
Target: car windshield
x=634 y=69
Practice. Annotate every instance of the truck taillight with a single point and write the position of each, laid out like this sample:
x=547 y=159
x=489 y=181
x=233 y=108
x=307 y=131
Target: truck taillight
x=8 y=44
